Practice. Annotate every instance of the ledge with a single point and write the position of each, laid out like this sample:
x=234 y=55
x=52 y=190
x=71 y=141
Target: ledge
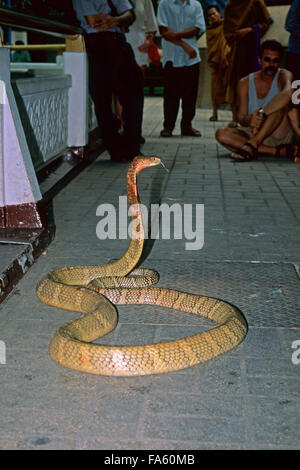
x=18 y=251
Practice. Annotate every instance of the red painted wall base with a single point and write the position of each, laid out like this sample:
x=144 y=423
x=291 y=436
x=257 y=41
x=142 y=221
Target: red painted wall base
x=33 y=215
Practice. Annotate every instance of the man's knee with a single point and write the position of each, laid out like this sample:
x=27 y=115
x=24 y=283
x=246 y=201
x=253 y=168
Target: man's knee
x=222 y=135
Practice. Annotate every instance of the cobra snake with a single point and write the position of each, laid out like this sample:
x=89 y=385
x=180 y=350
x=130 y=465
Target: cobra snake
x=95 y=290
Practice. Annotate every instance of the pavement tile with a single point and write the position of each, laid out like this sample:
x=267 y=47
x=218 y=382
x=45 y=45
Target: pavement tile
x=194 y=405
x=217 y=430
x=280 y=431
x=109 y=423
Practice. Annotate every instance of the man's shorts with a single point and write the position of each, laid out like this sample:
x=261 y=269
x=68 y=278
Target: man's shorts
x=271 y=141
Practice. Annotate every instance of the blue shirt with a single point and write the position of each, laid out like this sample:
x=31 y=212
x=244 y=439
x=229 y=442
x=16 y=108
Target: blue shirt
x=292 y=25
x=179 y=16
x=94 y=7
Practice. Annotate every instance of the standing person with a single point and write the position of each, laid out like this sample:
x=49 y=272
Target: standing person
x=217 y=58
x=144 y=25
x=245 y=22
x=180 y=23
x=112 y=68
x=292 y=25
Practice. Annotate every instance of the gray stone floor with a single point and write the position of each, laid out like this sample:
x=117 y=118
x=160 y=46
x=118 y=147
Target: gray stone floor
x=245 y=399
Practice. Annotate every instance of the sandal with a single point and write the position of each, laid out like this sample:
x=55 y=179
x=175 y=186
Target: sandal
x=191 y=133
x=213 y=118
x=232 y=124
x=290 y=152
x=247 y=156
x=165 y=133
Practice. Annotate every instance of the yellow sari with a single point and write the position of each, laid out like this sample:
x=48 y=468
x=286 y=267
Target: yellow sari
x=242 y=14
x=217 y=59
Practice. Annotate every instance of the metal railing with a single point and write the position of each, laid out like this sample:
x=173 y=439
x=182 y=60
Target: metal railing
x=21 y=21
x=38 y=47
x=18 y=20
x=57 y=65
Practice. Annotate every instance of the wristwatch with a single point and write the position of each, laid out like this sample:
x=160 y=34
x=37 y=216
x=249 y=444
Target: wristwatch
x=261 y=111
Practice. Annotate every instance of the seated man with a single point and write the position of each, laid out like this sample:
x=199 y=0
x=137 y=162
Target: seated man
x=264 y=111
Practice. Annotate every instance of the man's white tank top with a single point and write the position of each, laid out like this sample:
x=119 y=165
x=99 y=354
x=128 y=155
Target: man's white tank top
x=254 y=102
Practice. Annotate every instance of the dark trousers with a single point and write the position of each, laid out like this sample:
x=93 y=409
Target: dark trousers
x=292 y=63
x=181 y=83
x=112 y=69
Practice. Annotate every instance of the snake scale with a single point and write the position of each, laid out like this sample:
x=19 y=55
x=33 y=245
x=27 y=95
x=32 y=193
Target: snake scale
x=95 y=290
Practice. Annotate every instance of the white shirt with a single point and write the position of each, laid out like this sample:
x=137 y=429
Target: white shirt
x=179 y=16
x=145 y=15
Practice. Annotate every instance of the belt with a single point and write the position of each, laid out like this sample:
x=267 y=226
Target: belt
x=106 y=35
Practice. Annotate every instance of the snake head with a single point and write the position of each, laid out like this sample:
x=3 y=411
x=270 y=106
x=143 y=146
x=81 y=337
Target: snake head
x=141 y=162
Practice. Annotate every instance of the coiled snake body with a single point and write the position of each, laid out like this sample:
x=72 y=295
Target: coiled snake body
x=94 y=291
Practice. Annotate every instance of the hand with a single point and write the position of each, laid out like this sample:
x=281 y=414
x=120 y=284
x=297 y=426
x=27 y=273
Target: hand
x=256 y=120
x=189 y=50
x=144 y=47
x=102 y=22
x=241 y=33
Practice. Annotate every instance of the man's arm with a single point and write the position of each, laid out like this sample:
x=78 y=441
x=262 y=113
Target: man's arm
x=283 y=98
x=254 y=120
x=102 y=22
x=242 y=109
x=171 y=36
